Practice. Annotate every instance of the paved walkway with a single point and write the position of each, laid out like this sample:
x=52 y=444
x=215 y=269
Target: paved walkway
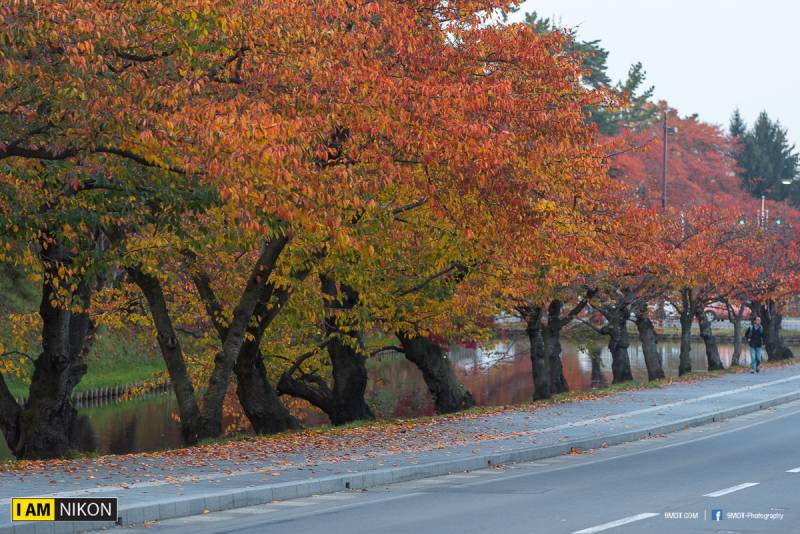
x=190 y=481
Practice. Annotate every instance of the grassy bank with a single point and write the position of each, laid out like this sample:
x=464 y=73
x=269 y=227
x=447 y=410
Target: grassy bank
x=116 y=359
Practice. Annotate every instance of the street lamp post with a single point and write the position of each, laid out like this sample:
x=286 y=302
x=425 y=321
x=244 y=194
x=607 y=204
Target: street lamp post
x=667 y=132
x=783 y=220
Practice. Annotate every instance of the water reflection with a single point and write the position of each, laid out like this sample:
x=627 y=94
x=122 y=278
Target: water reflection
x=499 y=374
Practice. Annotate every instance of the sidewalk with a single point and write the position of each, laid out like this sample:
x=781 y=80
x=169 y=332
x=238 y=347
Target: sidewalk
x=217 y=477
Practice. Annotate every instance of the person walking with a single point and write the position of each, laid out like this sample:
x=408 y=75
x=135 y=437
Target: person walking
x=755 y=338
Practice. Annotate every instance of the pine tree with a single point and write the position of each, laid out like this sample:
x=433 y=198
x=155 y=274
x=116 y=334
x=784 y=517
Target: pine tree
x=640 y=111
x=766 y=158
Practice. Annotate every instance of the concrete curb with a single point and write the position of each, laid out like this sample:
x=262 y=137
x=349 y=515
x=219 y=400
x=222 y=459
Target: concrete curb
x=214 y=502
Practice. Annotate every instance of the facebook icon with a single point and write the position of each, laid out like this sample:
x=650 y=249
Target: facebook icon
x=716 y=515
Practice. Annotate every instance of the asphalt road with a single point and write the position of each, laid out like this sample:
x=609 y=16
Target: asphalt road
x=669 y=484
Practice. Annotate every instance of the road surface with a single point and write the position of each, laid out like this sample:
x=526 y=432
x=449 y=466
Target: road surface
x=744 y=472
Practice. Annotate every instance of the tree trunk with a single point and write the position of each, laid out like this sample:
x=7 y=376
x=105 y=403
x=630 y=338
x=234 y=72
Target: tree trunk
x=449 y=394
x=9 y=416
x=551 y=335
x=349 y=382
x=618 y=343
x=710 y=342
x=47 y=423
x=595 y=354
x=344 y=402
x=225 y=361
x=192 y=427
x=771 y=318
x=686 y=318
x=259 y=400
x=540 y=365
x=736 y=359
x=647 y=335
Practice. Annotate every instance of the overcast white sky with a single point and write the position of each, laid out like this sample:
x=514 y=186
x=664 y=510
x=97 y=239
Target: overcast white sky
x=703 y=56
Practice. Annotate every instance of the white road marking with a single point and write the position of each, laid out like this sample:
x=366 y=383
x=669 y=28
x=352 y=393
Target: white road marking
x=795 y=470
x=292 y=503
x=460 y=476
x=584 y=422
x=588 y=462
x=617 y=523
x=333 y=497
x=251 y=510
x=199 y=518
x=726 y=491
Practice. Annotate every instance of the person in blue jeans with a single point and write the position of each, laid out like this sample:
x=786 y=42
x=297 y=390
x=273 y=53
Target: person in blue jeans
x=755 y=338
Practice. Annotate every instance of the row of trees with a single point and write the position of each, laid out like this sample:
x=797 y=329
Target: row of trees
x=262 y=187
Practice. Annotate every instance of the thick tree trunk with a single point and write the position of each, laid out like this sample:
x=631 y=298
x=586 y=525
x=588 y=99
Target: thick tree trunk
x=47 y=423
x=595 y=354
x=259 y=400
x=736 y=359
x=540 y=365
x=647 y=335
x=618 y=343
x=192 y=425
x=449 y=394
x=9 y=416
x=344 y=402
x=710 y=342
x=218 y=384
x=551 y=335
x=771 y=318
x=349 y=383
x=686 y=318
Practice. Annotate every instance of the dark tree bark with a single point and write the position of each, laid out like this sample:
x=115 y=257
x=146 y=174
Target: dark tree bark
x=710 y=342
x=540 y=365
x=346 y=352
x=449 y=394
x=46 y=425
x=344 y=401
x=771 y=318
x=647 y=335
x=192 y=427
x=736 y=319
x=9 y=416
x=225 y=361
x=618 y=342
x=686 y=319
x=598 y=381
x=551 y=336
x=259 y=400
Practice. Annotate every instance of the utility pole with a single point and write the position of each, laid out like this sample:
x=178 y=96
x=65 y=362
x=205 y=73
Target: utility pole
x=664 y=166
x=667 y=132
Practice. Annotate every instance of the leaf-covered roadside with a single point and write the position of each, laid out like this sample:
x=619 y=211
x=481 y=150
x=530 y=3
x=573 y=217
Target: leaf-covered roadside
x=323 y=446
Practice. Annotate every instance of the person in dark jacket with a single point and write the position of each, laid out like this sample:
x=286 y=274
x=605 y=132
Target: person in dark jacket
x=755 y=338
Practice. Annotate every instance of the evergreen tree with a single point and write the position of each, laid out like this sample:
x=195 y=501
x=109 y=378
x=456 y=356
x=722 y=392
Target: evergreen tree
x=766 y=158
x=640 y=111
x=738 y=128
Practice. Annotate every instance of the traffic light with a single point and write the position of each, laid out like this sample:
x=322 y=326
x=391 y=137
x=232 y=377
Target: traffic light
x=741 y=220
x=778 y=221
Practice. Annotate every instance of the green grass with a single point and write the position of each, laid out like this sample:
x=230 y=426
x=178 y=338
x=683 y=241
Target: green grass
x=116 y=358
x=114 y=361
